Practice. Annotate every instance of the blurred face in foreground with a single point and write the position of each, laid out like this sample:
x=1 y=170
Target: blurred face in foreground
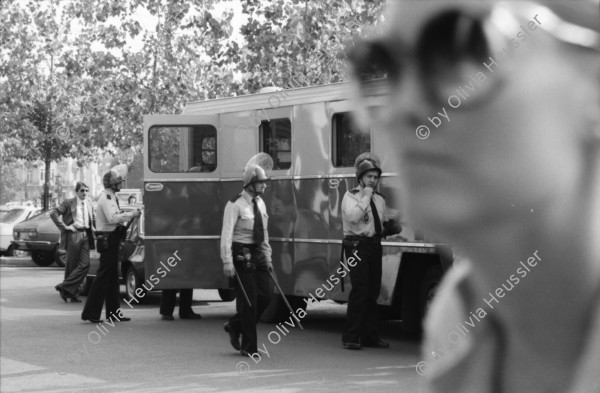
x=485 y=141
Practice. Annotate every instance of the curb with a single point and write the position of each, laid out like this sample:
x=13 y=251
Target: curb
x=17 y=261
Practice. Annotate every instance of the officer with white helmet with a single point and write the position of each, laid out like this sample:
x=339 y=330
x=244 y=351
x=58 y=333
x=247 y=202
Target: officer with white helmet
x=363 y=211
x=245 y=251
x=109 y=220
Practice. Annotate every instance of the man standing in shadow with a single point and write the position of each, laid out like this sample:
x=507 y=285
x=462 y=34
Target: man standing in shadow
x=76 y=220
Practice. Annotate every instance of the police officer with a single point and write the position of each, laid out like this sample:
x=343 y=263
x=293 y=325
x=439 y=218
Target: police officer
x=245 y=251
x=362 y=211
x=109 y=220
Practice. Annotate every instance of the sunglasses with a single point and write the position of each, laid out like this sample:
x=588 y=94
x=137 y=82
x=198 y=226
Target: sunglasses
x=461 y=52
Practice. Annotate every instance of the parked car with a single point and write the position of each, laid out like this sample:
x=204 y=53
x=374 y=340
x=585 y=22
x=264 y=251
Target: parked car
x=131 y=258
x=8 y=222
x=41 y=237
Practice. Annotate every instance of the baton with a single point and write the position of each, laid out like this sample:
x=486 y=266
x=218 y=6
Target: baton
x=242 y=287
x=284 y=298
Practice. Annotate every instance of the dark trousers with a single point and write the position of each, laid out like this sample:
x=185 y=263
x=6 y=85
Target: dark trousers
x=362 y=317
x=167 y=301
x=106 y=284
x=78 y=261
x=256 y=281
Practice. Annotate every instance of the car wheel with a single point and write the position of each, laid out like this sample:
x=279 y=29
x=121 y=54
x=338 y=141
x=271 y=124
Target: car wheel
x=60 y=258
x=86 y=286
x=42 y=258
x=132 y=283
x=227 y=295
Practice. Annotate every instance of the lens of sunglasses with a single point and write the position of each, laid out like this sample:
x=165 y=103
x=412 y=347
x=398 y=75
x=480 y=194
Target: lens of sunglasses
x=451 y=49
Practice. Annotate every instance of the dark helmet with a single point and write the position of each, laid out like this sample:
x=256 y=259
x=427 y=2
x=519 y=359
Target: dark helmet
x=253 y=174
x=366 y=162
x=111 y=179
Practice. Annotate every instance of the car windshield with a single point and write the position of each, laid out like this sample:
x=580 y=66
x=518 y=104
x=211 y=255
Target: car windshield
x=12 y=216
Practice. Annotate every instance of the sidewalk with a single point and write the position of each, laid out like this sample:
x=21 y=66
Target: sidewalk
x=17 y=261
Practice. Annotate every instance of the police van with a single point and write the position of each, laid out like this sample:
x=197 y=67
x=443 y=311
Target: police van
x=193 y=165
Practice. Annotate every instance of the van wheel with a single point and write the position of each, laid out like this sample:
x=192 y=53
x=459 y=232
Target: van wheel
x=227 y=295
x=132 y=283
x=277 y=310
x=429 y=285
x=86 y=286
x=60 y=258
x=42 y=258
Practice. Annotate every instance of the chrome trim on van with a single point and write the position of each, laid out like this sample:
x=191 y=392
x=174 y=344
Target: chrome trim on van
x=212 y=237
x=281 y=239
x=187 y=180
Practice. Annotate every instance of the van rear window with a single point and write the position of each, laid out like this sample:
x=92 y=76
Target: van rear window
x=276 y=139
x=348 y=141
x=174 y=149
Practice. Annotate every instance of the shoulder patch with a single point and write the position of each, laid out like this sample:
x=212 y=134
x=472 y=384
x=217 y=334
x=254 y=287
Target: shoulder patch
x=108 y=197
x=381 y=195
x=235 y=198
x=354 y=191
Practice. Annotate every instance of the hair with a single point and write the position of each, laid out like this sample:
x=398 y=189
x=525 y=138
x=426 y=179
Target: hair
x=79 y=185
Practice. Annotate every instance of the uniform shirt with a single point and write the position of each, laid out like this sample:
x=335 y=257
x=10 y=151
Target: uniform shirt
x=238 y=225
x=357 y=217
x=81 y=218
x=108 y=213
x=467 y=362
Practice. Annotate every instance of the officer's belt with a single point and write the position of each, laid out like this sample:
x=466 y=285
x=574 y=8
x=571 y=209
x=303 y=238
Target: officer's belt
x=363 y=239
x=250 y=246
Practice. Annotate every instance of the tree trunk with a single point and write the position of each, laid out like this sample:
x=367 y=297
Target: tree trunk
x=46 y=202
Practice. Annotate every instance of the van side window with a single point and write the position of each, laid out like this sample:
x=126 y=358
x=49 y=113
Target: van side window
x=348 y=141
x=174 y=149
x=275 y=138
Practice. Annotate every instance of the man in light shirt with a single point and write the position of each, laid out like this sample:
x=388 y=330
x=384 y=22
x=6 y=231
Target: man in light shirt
x=76 y=220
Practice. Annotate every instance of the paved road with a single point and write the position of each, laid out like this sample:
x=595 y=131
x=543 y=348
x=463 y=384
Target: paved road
x=46 y=347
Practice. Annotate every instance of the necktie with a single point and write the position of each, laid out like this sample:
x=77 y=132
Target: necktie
x=376 y=220
x=258 y=230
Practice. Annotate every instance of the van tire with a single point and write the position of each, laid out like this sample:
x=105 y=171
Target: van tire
x=86 y=286
x=227 y=295
x=429 y=285
x=277 y=310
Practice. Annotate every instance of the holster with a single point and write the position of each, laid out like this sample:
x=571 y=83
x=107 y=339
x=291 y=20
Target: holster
x=240 y=254
x=346 y=243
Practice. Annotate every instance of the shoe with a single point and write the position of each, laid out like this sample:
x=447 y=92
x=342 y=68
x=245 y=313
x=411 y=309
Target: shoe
x=351 y=345
x=234 y=337
x=248 y=354
x=191 y=315
x=377 y=344
x=92 y=320
x=61 y=292
x=117 y=319
x=75 y=299
x=167 y=318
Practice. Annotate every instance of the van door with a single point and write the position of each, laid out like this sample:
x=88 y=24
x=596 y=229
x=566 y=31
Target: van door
x=347 y=142
x=182 y=202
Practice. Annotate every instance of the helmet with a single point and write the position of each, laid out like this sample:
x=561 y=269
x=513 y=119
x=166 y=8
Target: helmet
x=253 y=174
x=111 y=179
x=366 y=162
x=257 y=169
